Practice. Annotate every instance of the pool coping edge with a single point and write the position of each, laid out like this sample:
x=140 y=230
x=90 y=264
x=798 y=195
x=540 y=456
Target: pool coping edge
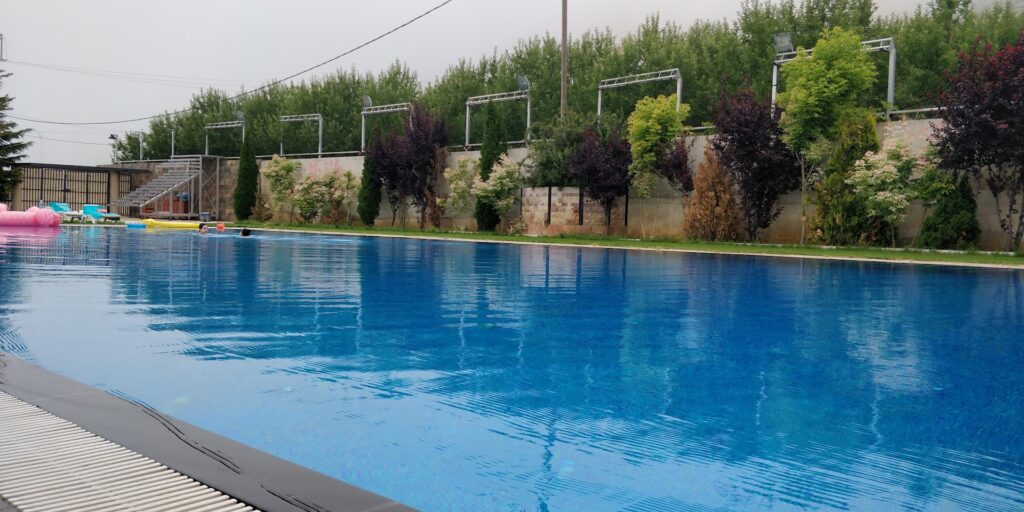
x=996 y=266
x=252 y=476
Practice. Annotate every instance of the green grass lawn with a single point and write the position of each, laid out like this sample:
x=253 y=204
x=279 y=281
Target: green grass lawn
x=977 y=258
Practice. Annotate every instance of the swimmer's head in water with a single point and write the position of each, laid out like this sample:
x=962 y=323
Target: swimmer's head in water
x=245 y=232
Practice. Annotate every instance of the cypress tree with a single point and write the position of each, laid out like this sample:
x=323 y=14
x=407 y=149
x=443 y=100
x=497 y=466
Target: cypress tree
x=11 y=145
x=369 y=188
x=493 y=147
x=248 y=178
x=954 y=223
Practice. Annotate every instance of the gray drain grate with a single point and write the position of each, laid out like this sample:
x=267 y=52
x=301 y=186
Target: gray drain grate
x=49 y=464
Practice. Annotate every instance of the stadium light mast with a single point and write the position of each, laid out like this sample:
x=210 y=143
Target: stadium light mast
x=564 y=105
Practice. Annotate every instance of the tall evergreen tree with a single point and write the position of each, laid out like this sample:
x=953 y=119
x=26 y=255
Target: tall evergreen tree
x=248 y=181
x=369 y=188
x=493 y=147
x=12 y=146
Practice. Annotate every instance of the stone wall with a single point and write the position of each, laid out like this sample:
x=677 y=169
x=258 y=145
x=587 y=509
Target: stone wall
x=661 y=215
x=316 y=167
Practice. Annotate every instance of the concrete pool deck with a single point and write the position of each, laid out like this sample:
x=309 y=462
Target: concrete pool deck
x=230 y=469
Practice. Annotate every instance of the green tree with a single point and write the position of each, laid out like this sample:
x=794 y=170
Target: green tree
x=841 y=216
x=954 y=223
x=244 y=197
x=370 y=187
x=12 y=146
x=460 y=180
x=494 y=146
x=653 y=127
x=714 y=56
x=280 y=174
x=552 y=144
x=822 y=91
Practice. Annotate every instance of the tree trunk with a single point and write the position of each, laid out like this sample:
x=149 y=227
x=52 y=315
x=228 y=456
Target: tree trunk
x=608 y=219
x=924 y=217
x=803 y=202
x=643 y=221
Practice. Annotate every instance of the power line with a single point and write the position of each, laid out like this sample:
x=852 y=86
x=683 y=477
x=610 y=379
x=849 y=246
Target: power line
x=119 y=73
x=260 y=88
x=140 y=78
x=71 y=141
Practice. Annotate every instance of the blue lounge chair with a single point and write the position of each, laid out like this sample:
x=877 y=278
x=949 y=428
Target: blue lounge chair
x=65 y=212
x=94 y=213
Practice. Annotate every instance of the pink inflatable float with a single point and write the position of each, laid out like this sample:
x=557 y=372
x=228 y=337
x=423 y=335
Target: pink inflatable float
x=42 y=217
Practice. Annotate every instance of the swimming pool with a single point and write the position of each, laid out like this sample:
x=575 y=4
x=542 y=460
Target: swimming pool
x=472 y=376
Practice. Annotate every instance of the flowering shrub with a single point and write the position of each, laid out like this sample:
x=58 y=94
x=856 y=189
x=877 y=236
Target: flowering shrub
x=502 y=188
x=460 y=180
x=883 y=182
x=312 y=196
x=328 y=198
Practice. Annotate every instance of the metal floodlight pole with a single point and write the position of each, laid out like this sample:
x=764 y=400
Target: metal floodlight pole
x=501 y=96
x=172 y=142
x=380 y=109
x=564 y=85
x=891 y=90
x=140 y=146
x=467 y=124
x=887 y=44
x=654 y=76
x=307 y=117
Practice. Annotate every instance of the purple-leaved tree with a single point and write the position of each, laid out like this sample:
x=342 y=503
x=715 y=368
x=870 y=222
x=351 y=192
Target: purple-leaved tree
x=601 y=166
x=982 y=129
x=749 y=145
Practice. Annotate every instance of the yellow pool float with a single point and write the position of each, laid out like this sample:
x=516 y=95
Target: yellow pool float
x=168 y=224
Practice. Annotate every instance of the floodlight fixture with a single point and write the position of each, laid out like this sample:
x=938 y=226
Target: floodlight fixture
x=523 y=82
x=623 y=81
x=783 y=43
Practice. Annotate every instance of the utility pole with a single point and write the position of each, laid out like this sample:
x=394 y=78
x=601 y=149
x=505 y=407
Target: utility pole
x=1 y=47
x=565 y=58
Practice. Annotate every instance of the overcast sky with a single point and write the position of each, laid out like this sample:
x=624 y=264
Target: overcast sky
x=229 y=43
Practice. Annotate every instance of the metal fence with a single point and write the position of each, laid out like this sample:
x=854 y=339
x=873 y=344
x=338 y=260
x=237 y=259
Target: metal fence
x=74 y=185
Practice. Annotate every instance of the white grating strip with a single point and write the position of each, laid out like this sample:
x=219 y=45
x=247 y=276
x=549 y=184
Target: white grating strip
x=49 y=464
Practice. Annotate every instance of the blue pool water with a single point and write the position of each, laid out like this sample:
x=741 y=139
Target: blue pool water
x=480 y=377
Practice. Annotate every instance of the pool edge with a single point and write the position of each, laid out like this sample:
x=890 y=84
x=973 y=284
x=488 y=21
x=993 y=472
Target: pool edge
x=262 y=480
x=854 y=259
